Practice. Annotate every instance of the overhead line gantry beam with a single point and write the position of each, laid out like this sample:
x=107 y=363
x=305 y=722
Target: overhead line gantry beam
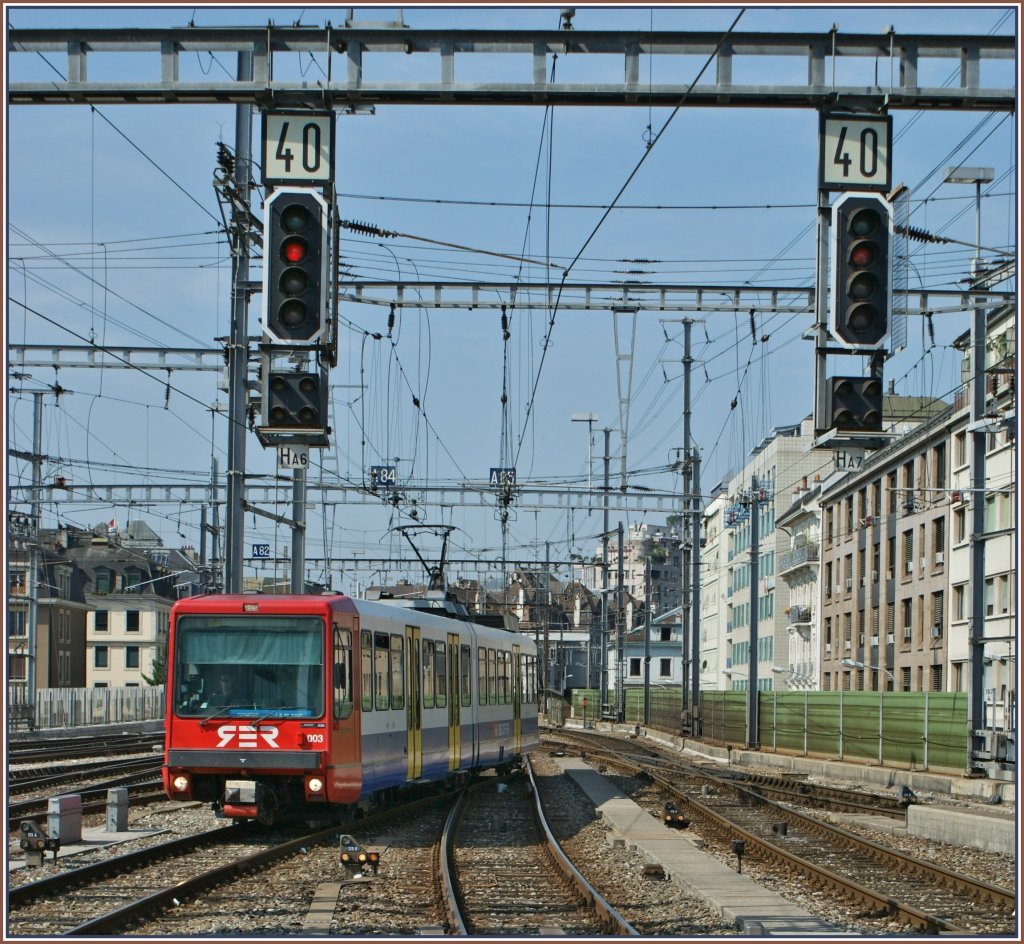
x=887 y=65
x=524 y=497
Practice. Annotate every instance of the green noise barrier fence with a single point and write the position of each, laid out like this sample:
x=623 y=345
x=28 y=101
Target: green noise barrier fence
x=916 y=730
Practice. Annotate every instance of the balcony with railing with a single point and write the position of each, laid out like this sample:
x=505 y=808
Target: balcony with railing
x=800 y=614
x=797 y=557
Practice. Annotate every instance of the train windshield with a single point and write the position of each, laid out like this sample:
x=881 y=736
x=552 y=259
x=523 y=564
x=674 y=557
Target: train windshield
x=241 y=666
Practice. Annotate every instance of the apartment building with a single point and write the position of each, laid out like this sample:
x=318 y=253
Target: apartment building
x=1001 y=560
x=712 y=591
x=897 y=547
x=764 y=485
x=798 y=568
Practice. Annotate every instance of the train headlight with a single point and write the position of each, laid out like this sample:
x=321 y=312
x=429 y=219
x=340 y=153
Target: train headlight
x=180 y=783
x=314 y=785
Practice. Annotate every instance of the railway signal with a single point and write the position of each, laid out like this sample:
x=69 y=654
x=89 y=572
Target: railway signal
x=295 y=282
x=855 y=404
x=861 y=284
x=294 y=401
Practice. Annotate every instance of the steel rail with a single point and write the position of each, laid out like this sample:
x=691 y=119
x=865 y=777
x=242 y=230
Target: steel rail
x=54 y=885
x=110 y=922
x=885 y=903
x=609 y=916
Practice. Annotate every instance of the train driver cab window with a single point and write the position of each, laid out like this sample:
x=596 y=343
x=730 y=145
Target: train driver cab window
x=342 y=673
x=466 y=666
x=228 y=665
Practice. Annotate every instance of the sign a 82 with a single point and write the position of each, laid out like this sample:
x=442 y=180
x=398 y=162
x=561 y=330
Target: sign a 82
x=298 y=147
x=855 y=152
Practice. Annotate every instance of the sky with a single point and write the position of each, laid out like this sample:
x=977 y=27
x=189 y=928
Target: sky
x=115 y=236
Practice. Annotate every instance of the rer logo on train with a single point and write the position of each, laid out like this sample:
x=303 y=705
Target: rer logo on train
x=246 y=735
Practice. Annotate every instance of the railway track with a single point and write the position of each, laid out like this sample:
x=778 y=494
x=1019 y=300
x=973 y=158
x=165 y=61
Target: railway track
x=504 y=874
x=106 y=894
x=36 y=750
x=837 y=799
x=94 y=800
x=918 y=893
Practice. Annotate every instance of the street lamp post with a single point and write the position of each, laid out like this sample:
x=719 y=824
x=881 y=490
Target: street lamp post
x=854 y=664
x=976 y=176
x=590 y=419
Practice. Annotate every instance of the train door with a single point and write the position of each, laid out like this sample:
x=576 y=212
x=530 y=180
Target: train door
x=517 y=699
x=343 y=746
x=413 y=704
x=454 y=704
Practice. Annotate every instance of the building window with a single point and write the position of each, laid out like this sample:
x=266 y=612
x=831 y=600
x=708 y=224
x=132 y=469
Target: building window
x=634 y=667
x=891 y=487
x=101 y=657
x=907 y=608
x=103 y=581
x=665 y=668
x=908 y=551
x=959 y=598
x=16 y=623
x=828 y=630
x=938 y=605
x=666 y=633
x=16 y=668
x=890 y=551
x=960 y=448
x=829 y=521
x=936 y=678
x=131 y=657
x=939 y=535
x=849 y=516
x=876 y=498
x=861 y=566
x=960 y=525
x=905 y=679
x=102 y=621
x=131 y=621
x=939 y=465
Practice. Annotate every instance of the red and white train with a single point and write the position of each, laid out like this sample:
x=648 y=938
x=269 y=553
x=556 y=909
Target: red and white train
x=279 y=705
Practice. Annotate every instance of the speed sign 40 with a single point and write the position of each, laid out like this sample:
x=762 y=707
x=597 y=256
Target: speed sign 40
x=298 y=147
x=855 y=151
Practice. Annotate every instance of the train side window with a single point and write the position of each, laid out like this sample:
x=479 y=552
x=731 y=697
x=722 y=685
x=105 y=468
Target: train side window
x=466 y=673
x=428 y=674
x=366 y=661
x=342 y=673
x=397 y=672
x=441 y=675
x=492 y=677
x=381 y=671
x=481 y=673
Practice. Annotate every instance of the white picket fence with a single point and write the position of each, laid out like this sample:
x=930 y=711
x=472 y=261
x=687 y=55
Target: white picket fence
x=75 y=707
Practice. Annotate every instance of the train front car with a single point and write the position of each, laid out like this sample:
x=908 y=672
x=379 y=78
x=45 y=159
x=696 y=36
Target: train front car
x=255 y=725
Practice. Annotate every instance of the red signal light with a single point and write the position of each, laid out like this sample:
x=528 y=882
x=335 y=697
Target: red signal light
x=862 y=254
x=293 y=250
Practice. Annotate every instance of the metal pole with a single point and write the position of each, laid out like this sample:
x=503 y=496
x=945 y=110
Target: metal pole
x=821 y=315
x=620 y=640
x=298 y=576
x=695 y=647
x=238 y=348
x=604 y=577
x=686 y=595
x=976 y=675
x=755 y=511
x=31 y=667
x=647 y=641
